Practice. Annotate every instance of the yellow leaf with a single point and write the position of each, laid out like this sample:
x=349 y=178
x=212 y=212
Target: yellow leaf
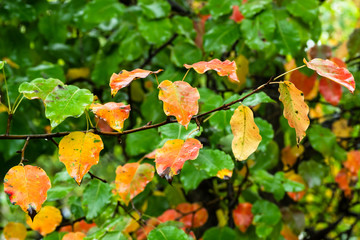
x=341 y=129
x=3 y=108
x=15 y=231
x=224 y=174
x=246 y=134
x=295 y=109
x=289 y=155
x=74 y=73
x=46 y=220
x=242 y=68
x=79 y=151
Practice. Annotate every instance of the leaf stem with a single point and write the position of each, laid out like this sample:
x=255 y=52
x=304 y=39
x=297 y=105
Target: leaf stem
x=16 y=104
x=288 y=72
x=7 y=91
x=185 y=74
x=23 y=151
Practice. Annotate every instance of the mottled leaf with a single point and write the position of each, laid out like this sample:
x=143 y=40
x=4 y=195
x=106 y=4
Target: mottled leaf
x=332 y=71
x=131 y=179
x=124 y=78
x=171 y=157
x=243 y=216
x=225 y=68
x=180 y=100
x=295 y=109
x=79 y=151
x=46 y=220
x=113 y=113
x=14 y=231
x=39 y=88
x=246 y=134
x=27 y=187
x=66 y=101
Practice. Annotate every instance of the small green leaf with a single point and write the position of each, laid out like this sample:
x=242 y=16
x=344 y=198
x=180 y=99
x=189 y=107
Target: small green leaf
x=270 y=183
x=192 y=176
x=96 y=196
x=177 y=131
x=256 y=99
x=132 y=47
x=46 y=70
x=155 y=31
x=39 y=88
x=305 y=9
x=266 y=132
x=142 y=142
x=266 y=216
x=313 y=172
x=184 y=52
x=219 y=233
x=99 y=11
x=58 y=192
x=322 y=139
x=212 y=161
x=155 y=9
x=268 y=158
x=167 y=233
x=251 y=8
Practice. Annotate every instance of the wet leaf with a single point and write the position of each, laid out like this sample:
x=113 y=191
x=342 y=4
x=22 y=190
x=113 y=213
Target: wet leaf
x=171 y=157
x=193 y=215
x=74 y=236
x=79 y=151
x=14 y=231
x=180 y=100
x=46 y=220
x=295 y=109
x=225 y=68
x=124 y=78
x=131 y=179
x=246 y=134
x=332 y=71
x=113 y=113
x=27 y=187
x=243 y=216
x=331 y=91
x=39 y=88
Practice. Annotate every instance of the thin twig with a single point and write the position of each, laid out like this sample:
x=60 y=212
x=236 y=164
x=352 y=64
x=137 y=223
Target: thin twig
x=8 y=124
x=94 y=176
x=23 y=150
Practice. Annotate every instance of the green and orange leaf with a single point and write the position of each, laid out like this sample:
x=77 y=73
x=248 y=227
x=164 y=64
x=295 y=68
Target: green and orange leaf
x=332 y=71
x=180 y=100
x=113 y=113
x=296 y=196
x=131 y=179
x=225 y=68
x=243 y=216
x=246 y=134
x=14 y=231
x=124 y=78
x=295 y=109
x=171 y=157
x=79 y=151
x=46 y=221
x=27 y=187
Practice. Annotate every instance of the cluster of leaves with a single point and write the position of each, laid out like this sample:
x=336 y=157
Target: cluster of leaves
x=218 y=169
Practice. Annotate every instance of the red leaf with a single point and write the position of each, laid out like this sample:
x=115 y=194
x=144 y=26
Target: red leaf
x=243 y=216
x=353 y=162
x=331 y=91
x=343 y=179
x=303 y=82
x=194 y=215
x=225 y=68
x=236 y=14
x=332 y=71
x=124 y=78
x=171 y=157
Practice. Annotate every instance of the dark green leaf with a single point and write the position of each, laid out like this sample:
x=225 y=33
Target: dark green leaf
x=177 y=131
x=133 y=46
x=184 y=52
x=250 y=8
x=266 y=132
x=96 y=196
x=212 y=161
x=305 y=9
x=270 y=183
x=221 y=36
x=353 y=45
x=58 y=192
x=266 y=216
x=155 y=9
x=102 y=10
x=142 y=142
x=268 y=158
x=46 y=70
x=219 y=233
x=156 y=31
x=191 y=176
x=219 y=8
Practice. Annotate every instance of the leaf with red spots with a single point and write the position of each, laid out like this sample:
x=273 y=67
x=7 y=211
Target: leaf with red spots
x=124 y=78
x=131 y=179
x=302 y=82
x=171 y=157
x=332 y=71
x=243 y=216
x=79 y=151
x=46 y=221
x=295 y=109
x=180 y=100
x=193 y=215
x=27 y=187
x=225 y=68
x=113 y=113
x=330 y=90
x=236 y=14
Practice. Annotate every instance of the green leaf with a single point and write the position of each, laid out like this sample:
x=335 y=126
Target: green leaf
x=177 y=131
x=132 y=47
x=305 y=9
x=2 y=63
x=268 y=158
x=155 y=31
x=39 y=88
x=66 y=101
x=105 y=66
x=266 y=132
x=256 y=99
x=250 y=8
x=209 y=100
x=151 y=108
x=219 y=233
x=192 y=176
x=58 y=192
x=96 y=196
x=313 y=172
x=98 y=11
x=142 y=142
x=322 y=139
x=46 y=70
x=184 y=26
x=221 y=36
x=55 y=236
x=266 y=216
x=155 y=9
x=53 y=29
x=219 y=8
x=289 y=185
x=167 y=233
x=184 y=52
x=270 y=183
x=212 y=161
x=114 y=235
x=353 y=45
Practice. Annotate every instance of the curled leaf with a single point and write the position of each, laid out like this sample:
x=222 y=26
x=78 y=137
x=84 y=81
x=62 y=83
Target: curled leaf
x=225 y=68
x=124 y=78
x=46 y=221
x=113 y=113
x=246 y=134
x=180 y=100
x=332 y=71
x=171 y=157
x=79 y=151
x=27 y=187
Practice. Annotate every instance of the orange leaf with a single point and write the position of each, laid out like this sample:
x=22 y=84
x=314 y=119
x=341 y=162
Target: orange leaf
x=113 y=113
x=303 y=82
x=124 y=78
x=180 y=100
x=236 y=14
x=243 y=216
x=169 y=215
x=80 y=226
x=225 y=68
x=296 y=196
x=27 y=187
x=194 y=215
x=353 y=162
x=295 y=109
x=131 y=179
x=246 y=134
x=79 y=151
x=46 y=221
x=289 y=155
x=343 y=179
x=74 y=236
x=330 y=90
x=224 y=174
x=332 y=71
x=171 y=157
x=287 y=233
x=15 y=231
